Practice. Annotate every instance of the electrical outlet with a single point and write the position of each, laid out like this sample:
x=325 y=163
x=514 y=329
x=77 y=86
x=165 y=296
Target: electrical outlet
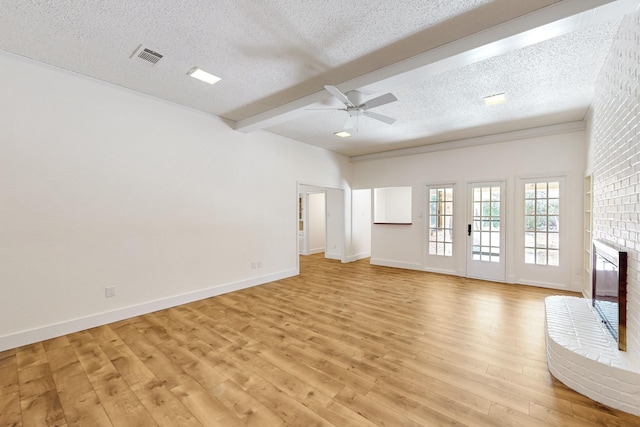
x=259 y=264
x=110 y=291
x=253 y=265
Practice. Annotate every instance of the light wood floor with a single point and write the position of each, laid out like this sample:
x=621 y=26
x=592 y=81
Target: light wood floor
x=340 y=345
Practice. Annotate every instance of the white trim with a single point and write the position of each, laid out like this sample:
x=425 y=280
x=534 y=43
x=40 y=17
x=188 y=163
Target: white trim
x=442 y=271
x=396 y=264
x=546 y=285
x=357 y=257
x=70 y=326
x=479 y=140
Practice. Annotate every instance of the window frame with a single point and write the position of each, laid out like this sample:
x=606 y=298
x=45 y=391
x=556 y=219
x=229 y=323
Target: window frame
x=539 y=216
x=442 y=217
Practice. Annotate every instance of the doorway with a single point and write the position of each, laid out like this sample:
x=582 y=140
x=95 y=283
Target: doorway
x=334 y=216
x=312 y=229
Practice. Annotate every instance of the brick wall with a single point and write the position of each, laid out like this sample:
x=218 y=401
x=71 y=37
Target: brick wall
x=614 y=123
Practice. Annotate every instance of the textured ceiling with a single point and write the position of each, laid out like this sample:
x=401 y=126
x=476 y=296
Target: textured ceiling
x=547 y=83
x=272 y=53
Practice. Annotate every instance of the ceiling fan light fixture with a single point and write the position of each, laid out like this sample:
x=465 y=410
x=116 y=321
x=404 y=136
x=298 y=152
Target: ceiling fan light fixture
x=498 y=98
x=202 y=75
x=342 y=134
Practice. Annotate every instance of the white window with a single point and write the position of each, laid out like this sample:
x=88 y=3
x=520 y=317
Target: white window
x=441 y=221
x=542 y=223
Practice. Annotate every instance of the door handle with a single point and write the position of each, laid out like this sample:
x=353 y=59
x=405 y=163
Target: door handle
x=468 y=229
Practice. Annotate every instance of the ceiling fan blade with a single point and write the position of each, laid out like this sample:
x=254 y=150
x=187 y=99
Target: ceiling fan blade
x=388 y=120
x=380 y=100
x=341 y=96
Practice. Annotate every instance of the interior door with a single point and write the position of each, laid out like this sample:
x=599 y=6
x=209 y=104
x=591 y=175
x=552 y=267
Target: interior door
x=485 y=231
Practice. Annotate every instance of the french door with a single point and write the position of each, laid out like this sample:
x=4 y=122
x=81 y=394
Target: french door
x=486 y=231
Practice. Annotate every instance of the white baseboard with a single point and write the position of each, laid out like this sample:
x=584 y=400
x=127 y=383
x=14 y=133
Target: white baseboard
x=316 y=251
x=441 y=271
x=31 y=336
x=546 y=285
x=330 y=255
x=412 y=266
x=356 y=257
x=396 y=264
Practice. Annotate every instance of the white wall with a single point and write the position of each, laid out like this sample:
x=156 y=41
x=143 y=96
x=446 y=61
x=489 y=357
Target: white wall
x=614 y=160
x=101 y=186
x=552 y=155
x=361 y=224
x=316 y=222
x=337 y=224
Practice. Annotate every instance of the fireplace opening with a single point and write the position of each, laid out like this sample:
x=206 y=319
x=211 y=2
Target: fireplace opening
x=609 y=289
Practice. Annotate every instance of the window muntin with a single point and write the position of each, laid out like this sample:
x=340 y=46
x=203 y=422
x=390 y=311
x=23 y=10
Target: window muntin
x=542 y=223
x=441 y=221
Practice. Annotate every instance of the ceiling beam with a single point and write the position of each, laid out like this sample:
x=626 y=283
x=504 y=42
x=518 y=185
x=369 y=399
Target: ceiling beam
x=552 y=21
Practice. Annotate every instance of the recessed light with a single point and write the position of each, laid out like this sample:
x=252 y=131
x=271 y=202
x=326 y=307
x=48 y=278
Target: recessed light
x=342 y=134
x=202 y=75
x=496 y=99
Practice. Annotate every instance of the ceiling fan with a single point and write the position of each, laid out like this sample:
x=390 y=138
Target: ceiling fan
x=355 y=107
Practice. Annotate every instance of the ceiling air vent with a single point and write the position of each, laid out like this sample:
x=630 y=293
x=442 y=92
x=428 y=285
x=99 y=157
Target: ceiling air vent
x=147 y=54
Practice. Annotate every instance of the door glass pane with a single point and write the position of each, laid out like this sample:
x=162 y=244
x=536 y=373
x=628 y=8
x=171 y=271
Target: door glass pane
x=448 y=249
x=486 y=224
x=530 y=191
x=529 y=223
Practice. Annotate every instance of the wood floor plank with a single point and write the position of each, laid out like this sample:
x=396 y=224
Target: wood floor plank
x=374 y=411
x=599 y=414
x=302 y=371
x=339 y=345
x=514 y=417
x=163 y=406
x=456 y=403
x=292 y=412
x=204 y=406
x=411 y=408
x=38 y=397
x=537 y=391
x=232 y=369
x=333 y=411
x=116 y=397
x=247 y=408
x=30 y=355
x=9 y=379
x=472 y=383
x=154 y=359
x=79 y=401
x=10 y=409
x=8 y=357
x=556 y=418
